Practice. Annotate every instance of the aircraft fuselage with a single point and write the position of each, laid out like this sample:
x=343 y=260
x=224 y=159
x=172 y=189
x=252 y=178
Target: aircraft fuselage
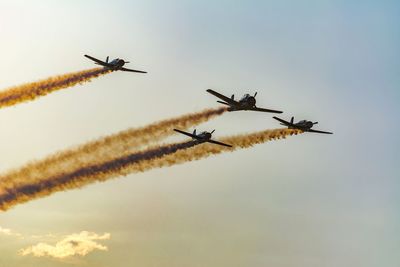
x=245 y=103
x=116 y=63
x=204 y=136
x=303 y=125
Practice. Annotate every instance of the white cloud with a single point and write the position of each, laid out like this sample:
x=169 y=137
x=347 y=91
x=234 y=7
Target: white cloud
x=79 y=244
x=9 y=232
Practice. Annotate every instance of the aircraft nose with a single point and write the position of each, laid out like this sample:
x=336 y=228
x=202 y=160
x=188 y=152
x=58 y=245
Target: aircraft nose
x=252 y=100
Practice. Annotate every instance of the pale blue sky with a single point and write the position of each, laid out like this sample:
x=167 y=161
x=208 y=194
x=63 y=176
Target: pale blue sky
x=310 y=200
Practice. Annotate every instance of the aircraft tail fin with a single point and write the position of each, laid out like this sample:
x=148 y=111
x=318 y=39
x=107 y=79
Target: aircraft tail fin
x=233 y=97
x=292 y=120
x=194 y=132
x=107 y=59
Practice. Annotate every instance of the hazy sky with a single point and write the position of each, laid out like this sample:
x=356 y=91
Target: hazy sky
x=309 y=200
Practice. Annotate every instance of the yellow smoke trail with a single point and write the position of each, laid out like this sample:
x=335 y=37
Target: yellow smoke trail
x=156 y=157
x=31 y=91
x=198 y=152
x=104 y=149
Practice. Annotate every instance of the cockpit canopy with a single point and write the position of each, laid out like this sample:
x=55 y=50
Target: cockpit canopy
x=245 y=96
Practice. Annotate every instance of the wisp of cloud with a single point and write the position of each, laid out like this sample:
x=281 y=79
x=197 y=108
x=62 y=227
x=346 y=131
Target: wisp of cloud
x=79 y=244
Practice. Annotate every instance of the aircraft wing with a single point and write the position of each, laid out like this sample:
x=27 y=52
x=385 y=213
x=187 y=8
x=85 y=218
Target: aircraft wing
x=316 y=131
x=98 y=61
x=266 y=110
x=225 y=98
x=140 y=71
x=186 y=133
x=218 y=143
x=282 y=121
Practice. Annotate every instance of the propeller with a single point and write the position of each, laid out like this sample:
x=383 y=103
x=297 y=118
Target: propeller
x=255 y=94
x=127 y=62
x=212 y=131
x=315 y=122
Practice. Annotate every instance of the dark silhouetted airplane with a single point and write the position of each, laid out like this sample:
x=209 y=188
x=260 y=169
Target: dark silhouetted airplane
x=115 y=64
x=303 y=125
x=247 y=102
x=202 y=137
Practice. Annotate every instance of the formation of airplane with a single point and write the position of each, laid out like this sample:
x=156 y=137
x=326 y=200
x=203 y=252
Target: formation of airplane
x=247 y=102
x=303 y=125
x=115 y=64
x=202 y=137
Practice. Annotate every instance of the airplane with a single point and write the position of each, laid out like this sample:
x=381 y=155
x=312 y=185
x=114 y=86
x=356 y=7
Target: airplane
x=202 y=137
x=247 y=102
x=115 y=64
x=303 y=125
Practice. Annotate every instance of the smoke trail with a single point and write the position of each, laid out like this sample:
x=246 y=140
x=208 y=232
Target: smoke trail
x=31 y=91
x=197 y=152
x=63 y=181
x=157 y=157
x=104 y=149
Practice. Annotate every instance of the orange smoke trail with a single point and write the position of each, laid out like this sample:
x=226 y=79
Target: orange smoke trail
x=161 y=156
x=104 y=149
x=31 y=91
